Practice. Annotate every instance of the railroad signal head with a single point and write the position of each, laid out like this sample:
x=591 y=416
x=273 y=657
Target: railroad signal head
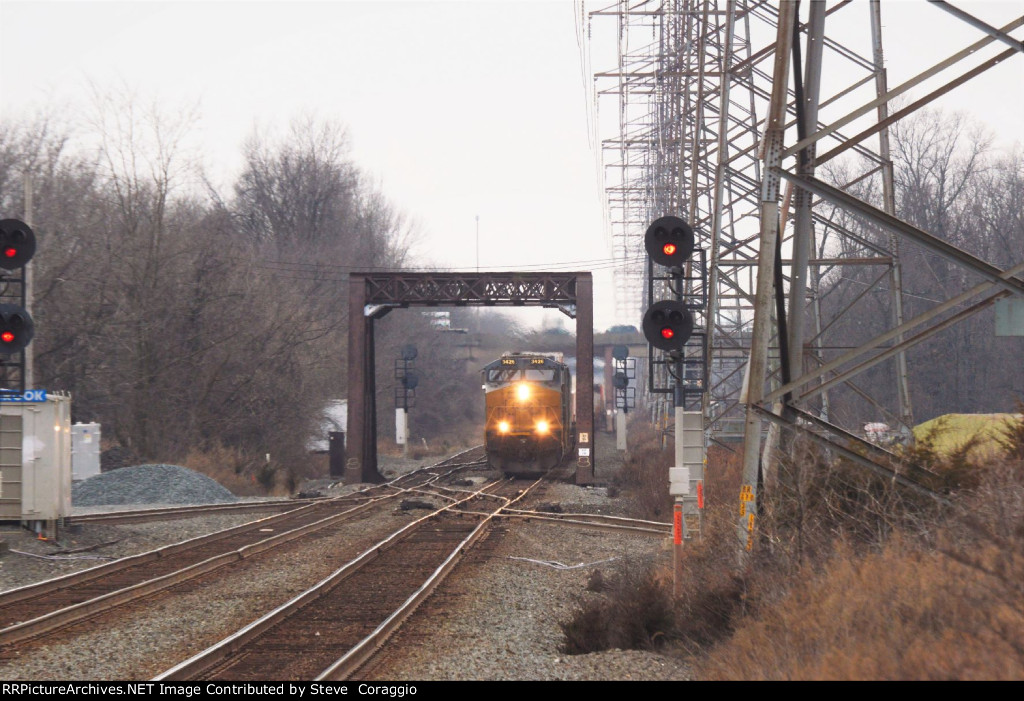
x=17 y=244
x=669 y=241
x=668 y=325
x=16 y=329
x=411 y=380
x=620 y=381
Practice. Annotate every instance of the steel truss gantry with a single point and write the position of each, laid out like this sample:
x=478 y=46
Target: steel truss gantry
x=372 y=295
x=725 y=118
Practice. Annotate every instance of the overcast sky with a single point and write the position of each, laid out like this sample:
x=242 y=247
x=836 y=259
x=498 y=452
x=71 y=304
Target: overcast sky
x=459 y=109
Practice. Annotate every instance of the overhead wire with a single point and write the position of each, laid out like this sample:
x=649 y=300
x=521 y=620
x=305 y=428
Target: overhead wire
x=340 y=276
x=311 y=271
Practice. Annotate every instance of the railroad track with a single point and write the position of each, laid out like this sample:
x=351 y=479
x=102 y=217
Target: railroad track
x=173 y=512
x=330 y=630
x=590 y=521
x=465 y=458
x=48 y=607
x=464 y=509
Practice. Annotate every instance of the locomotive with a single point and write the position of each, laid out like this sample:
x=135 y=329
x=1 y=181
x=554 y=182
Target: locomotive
x=529 y=424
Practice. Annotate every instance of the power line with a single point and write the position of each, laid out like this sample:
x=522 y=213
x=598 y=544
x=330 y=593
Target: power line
x=333 y=268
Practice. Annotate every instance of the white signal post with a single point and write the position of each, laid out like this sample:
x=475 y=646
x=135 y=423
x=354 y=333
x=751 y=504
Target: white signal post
x=622 y=392
x=402 y=430
x=686 y=482
x=668 y=324
x=407 y=380
x=620 y=430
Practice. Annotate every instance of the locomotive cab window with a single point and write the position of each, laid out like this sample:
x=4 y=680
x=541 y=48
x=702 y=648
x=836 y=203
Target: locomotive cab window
x=501 y=376
x=540 y=374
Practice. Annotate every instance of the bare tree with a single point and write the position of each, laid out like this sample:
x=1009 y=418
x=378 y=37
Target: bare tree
x=183 y=322
x=949 y=183
x=304 y=196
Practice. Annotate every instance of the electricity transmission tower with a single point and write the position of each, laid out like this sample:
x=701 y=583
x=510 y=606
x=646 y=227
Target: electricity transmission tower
x=765 y=125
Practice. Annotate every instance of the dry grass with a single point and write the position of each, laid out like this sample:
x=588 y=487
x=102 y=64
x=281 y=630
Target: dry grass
x=633 y=610
x=242 y=474
x=644 y=473
x=636 y=607
x=902 y=613
x=723 y=476
x=1011 y=437
x=851 y=577
x=891 y=586
x=416 y=451
x=458 y=438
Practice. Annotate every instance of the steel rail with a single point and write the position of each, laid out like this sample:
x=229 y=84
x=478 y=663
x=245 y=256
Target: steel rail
x=68 y=615
x=215 y=654
x=596 y=517
x=662 y=529
x=76 y=578
x=368 y=647
x=172 y=512
x=164 y=513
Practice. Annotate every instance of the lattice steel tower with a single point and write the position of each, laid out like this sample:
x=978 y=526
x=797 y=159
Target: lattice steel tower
x=724 y=116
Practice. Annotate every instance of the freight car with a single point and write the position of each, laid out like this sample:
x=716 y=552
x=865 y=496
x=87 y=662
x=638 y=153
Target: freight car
x=529 y=425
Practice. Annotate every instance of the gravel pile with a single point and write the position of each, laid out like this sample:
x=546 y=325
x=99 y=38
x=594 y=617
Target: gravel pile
x=149 y=484
x=502 y=615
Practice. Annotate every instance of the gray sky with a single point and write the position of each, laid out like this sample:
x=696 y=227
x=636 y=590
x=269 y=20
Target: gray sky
x=459 y=109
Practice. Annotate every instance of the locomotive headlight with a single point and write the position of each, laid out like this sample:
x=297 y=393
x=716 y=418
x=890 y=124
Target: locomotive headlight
x=503 y=426
x=523 y=392
x=542 y=426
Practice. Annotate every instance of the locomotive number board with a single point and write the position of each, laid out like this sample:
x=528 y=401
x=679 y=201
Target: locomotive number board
x=523 y=361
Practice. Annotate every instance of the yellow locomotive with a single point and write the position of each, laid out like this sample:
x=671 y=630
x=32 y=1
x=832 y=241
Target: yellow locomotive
x=529 y=413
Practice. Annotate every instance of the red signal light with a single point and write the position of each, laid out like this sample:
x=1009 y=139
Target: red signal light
x=668 y=324
x=17 y=244
x=16 y=327
x=669 y=241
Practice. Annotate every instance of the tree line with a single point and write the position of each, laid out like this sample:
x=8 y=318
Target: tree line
x=952 y=182
x=185 y=318
x=182 y=317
